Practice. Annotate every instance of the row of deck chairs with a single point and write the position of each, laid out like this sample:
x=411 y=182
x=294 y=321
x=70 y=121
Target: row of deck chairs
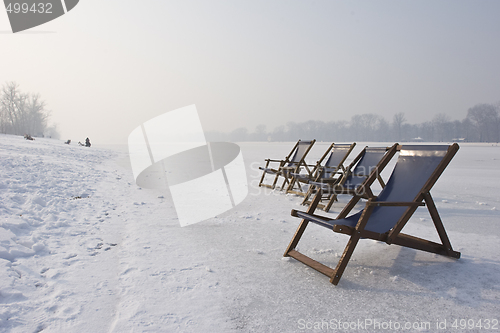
x=383 y=217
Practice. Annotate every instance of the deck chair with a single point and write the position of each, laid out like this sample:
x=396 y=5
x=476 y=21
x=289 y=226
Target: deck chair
x=333 y=167
x=357 y=179
x=294 y=162
x=383 y=217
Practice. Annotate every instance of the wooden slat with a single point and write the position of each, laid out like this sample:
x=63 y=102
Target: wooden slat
x=296 y=192
x=311 y=263
x=424 y=245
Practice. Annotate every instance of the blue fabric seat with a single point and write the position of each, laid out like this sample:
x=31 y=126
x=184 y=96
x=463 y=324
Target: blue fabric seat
x=357 y=178
x=332 y=170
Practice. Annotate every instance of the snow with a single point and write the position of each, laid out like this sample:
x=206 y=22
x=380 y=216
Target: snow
x=83 y=249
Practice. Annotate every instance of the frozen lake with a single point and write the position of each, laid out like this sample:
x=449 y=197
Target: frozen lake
x=82 y=248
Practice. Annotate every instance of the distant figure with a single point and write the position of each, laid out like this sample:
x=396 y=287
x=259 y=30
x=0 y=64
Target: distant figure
x=28 y=137
x=68 y=142
x=87 y=143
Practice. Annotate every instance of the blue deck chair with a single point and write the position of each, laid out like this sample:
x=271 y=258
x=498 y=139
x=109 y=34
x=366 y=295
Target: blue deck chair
x=417 y=170
x=332 y=169
x=294 y=162
x=357 y=179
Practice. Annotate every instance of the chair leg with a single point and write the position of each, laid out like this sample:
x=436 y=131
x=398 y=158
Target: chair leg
x=285 y=181
x=351 y=245
x=263 y=174
x=303 y=224
x=275 y=181
x=262 y=178
x=329 y=205
x=438 y=223
x=308 y=194
x=291 y=184
x=300 y=188
x=344 y=260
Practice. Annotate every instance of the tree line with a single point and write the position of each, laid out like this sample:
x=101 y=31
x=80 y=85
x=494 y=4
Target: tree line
x=23 y=113
x=482 y=124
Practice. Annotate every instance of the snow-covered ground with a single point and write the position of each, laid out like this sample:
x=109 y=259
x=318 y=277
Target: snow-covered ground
x=83 y=249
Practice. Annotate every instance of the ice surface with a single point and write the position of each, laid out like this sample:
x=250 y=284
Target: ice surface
x=83 y=249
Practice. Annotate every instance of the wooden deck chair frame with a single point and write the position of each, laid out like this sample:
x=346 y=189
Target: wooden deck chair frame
x=331 y=189
x=291 y=163
x=319 y=170
x=392 y=236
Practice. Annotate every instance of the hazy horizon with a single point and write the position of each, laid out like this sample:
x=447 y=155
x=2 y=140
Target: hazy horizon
x=105 y=68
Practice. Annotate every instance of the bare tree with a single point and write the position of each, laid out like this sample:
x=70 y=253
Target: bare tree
x=278 y=133
x=383 y=130
x=260 y=133
x=9 y=107
x=22 y=113
x=485 y=119
x=239 y=134
x=364 y=126
x=397 y=122
x=443 y=128
x=481 y=124
x=37 y=115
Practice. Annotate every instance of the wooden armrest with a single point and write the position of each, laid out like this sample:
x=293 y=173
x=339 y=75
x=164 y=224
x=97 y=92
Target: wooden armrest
x=319 y=220
x=326 y=181
x=394 y=203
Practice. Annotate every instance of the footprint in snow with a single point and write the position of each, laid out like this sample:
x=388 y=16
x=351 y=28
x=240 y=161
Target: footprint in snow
x=256 y=251
x=128 y=270
x=100 y=246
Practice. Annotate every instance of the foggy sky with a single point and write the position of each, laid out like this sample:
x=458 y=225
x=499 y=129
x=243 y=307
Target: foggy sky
x=108 y=66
